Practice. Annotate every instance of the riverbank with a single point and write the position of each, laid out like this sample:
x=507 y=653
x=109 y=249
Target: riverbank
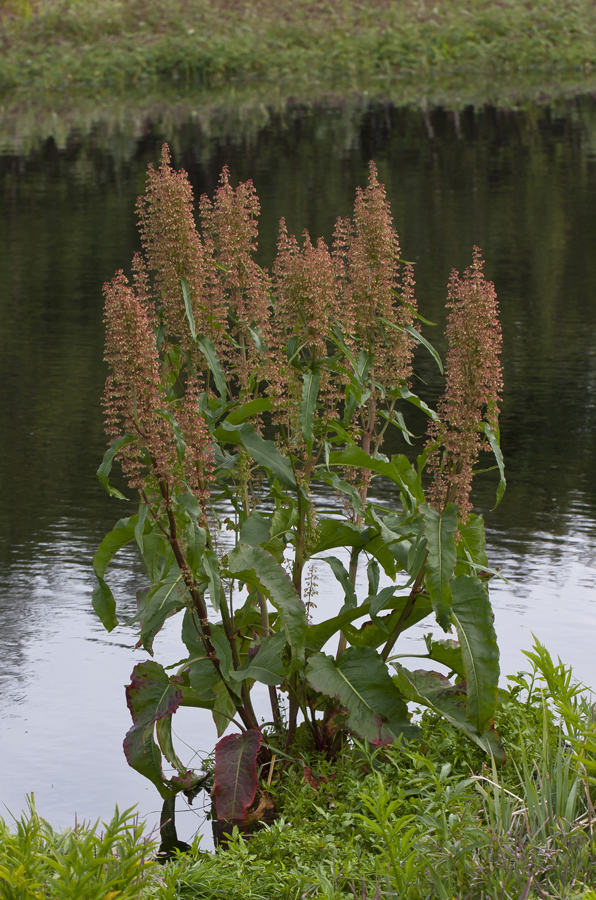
x=52 y=49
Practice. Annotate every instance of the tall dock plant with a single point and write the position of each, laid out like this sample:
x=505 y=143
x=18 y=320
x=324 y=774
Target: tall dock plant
x=235 y=398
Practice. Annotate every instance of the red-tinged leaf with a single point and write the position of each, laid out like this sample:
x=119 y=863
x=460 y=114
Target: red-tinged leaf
x=235 y=783
x=150 y=696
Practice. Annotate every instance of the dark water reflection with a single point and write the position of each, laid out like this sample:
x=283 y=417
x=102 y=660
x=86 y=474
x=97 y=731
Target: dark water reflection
x=520 y=185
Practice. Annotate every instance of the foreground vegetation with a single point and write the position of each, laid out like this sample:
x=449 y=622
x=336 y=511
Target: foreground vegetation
x=424 y=821
x=57 y=46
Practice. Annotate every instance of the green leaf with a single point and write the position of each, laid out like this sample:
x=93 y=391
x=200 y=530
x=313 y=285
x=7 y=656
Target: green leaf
x=122 y=533
x=220 y=641
x=189 y=502
x=473 y=617
x=267 y=665
x=255 y=529
x=223 y=709
x=416 y=336
x=158 y=555
x=104 y=605
x=318 y=635
x=361 y=682
x=188 y=307
x=140 y=526
x=373 y=634
x=355 y=456
x=341 y=574
x=406 y=394
x=265 y=453
x=397 y=419
x=282 y=521
x=163 y=600
x=440 y=538
x=308 y=405
x=373 y=574
x=332 y=533
x=102 y=600
x=196 y=539
x=473 y=540
x=493 y=439
x=259 y=568
x=106 y=465
x=210 y=354
x=447 y=652
x=211 y=567
x=342 y=487
x=435 y=691
x=163 y=728
x=381 y=600
x=248 y=410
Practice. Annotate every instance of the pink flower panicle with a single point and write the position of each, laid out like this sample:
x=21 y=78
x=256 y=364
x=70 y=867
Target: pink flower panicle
x=472 y=389
x=305 y=292
x=376 y=284
x=173 y=250
x=230 y=233
x=135 y=401
x=133 y=393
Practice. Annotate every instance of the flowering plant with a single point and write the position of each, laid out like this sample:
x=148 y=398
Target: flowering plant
x=236 y=400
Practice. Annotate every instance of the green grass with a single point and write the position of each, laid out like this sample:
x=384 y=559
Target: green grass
x=60 y=46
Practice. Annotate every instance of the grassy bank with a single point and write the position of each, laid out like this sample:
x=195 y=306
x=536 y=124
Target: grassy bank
x=428 y=821
x=52 y=48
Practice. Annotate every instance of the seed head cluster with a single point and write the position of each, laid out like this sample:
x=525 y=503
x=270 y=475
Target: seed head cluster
x=472 y=390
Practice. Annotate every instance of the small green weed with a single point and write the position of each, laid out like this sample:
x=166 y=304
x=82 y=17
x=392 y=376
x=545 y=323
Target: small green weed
x=81 y=863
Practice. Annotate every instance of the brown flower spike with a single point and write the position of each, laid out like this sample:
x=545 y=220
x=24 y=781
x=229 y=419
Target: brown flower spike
x=473 y=385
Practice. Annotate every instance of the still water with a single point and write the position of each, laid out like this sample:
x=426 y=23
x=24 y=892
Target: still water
x=521 y=185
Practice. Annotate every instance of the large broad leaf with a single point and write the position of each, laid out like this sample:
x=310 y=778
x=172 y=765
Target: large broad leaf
x=265 y=453
x=308 y=405
x=235 y=783
x=103 y=600
x=360 y=681
x=440 y=531
x=472 y=616
x=266 y=665
x=259 y=568
x=433 y=690
x=255 y=529
x=150 y=696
